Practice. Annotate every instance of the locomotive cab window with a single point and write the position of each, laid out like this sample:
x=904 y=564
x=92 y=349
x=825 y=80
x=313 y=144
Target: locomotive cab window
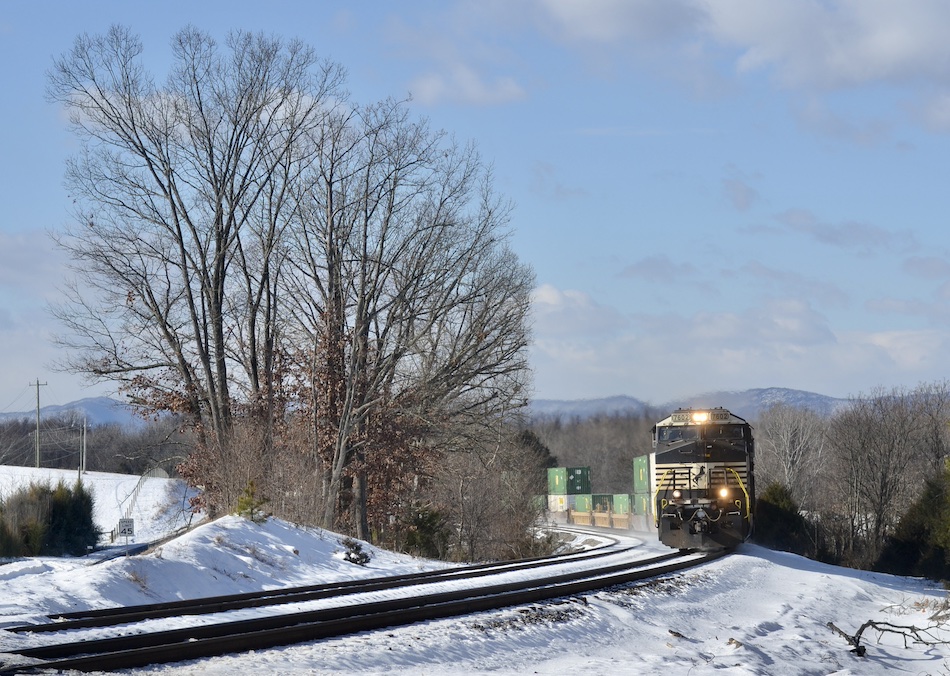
x=732 y=432
x=668 y=434
x=688 y=433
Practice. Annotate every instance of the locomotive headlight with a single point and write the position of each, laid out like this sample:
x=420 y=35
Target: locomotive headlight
x=700 y=416
x=724 y=493
x=677 y=494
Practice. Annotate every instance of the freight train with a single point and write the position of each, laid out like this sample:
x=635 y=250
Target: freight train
x=697 y=487
x=702 y=479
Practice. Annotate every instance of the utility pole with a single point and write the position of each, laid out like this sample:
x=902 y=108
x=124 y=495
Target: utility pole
x=37 y=384
x=82 y=450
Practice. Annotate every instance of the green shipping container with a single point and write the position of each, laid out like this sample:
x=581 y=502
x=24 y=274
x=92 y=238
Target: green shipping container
x=621 y=503
x=641 y=474
x=557 y=481
x=583 y=503
x=642 y=504
x=603 y=502
x=578 y=480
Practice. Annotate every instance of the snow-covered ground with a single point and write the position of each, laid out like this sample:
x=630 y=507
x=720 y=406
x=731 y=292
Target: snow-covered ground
x=754 y=612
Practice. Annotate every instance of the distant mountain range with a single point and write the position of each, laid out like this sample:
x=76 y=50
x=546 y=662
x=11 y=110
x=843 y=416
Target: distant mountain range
x=94 y=410
x=748 y=404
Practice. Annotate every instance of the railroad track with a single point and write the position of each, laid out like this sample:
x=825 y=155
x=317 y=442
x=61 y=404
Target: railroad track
x=105 y=617
x=410 y=598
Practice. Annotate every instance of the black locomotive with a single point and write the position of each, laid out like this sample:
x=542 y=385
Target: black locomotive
x=702 y=479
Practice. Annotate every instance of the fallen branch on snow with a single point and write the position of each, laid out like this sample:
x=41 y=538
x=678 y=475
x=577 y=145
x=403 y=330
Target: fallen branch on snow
x=912 y=635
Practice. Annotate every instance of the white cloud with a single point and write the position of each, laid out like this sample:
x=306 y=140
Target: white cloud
x=913 y=351
x=835 y=44
x=861 y=237
x=809 y=47
x=780 y=342
x=807 y=43
x=601 y=21
x=460 y=83
x=465 y=55
x=474 y=53
x=571 y=314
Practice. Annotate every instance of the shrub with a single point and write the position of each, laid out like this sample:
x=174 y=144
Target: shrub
x=71 y=527
x=427 y=534
x=43 y=521
x=354 y=552
x=250 y=506
x=778 y=523
x=919 y=544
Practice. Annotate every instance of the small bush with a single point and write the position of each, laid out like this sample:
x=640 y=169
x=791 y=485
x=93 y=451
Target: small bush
x=354 y=552
x=778 y=523
x=249 y=506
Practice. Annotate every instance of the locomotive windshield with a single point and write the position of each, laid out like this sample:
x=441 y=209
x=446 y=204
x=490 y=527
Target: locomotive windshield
x=689 y=432
x=668 y=434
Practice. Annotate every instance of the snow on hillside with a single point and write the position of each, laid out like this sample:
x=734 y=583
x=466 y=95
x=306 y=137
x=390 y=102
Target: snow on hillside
x=755 y=612
x=159 y=507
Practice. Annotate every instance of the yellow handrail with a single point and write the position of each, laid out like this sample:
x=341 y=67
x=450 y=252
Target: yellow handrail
x=656 y=517
x=748 y=505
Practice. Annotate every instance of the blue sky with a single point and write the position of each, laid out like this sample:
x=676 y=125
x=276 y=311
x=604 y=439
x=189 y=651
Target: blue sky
x=714 y=195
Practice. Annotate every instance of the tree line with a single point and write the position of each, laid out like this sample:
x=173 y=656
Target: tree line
x=321 y=289
x=855 y=482
x=605 y=443
x=162 y=443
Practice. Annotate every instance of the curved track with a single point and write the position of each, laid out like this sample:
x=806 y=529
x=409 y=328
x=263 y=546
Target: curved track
x=105 y=617
x=323 y=611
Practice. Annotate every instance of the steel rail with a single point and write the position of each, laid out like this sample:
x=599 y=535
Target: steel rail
x=259 y=633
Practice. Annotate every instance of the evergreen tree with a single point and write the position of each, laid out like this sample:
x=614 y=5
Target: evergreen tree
x=778 y=522
x=42 y=521
x=920 y=544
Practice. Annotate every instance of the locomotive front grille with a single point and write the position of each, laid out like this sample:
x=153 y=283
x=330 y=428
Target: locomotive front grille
x=681 y=476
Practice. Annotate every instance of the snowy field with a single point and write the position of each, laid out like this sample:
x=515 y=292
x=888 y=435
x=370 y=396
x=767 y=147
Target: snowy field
x=755 y=612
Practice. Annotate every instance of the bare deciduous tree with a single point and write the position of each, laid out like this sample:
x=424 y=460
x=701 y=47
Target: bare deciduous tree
x=257 y=245
x=933 y=403
x=790 y=449
x=180 y=193
x=878 y=445
x=404 y=287
x=485 y=490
